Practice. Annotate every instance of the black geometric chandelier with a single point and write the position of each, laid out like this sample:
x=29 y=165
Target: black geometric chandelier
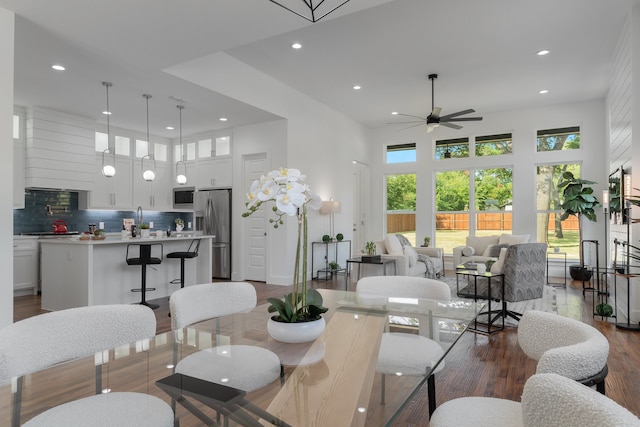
x=310 y=10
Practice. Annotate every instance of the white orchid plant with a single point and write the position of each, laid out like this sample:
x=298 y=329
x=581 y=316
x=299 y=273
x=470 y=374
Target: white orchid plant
x=287 y=189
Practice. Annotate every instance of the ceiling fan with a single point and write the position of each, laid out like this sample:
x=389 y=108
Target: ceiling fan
x=434 y=119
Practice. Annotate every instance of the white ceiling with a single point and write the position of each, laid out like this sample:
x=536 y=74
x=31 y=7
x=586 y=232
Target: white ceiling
x=484 y=52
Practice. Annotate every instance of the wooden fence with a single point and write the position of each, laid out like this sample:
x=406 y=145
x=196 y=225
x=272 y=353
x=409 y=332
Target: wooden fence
x=499 y=221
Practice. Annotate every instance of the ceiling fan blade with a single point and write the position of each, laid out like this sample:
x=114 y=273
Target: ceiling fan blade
x=410 y=115
x=463 y=119
x=451 y=125
x=409 y=127
x=400 y=123
x=459 y=113
x=436 y=112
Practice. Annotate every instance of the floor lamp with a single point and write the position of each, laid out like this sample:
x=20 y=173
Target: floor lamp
x=330 y=207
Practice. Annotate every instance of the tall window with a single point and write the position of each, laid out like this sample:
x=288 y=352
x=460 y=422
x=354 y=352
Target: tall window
x=549 y=228
x=481 y=206
x=452 y=209
x=401 y=205
x=558 y=139
x=401 y=153
x=493 y=197
x=452 y=148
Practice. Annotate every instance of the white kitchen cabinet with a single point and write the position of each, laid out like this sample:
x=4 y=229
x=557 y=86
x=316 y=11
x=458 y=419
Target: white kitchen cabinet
x=26 y=265
x=154 y=195
x=115 y=192
x=214 y=173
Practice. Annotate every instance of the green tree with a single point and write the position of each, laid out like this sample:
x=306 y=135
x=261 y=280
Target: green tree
x=452 y=191
x=401 y=192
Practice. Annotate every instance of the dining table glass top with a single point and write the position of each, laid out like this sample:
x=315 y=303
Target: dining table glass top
x=331 y=381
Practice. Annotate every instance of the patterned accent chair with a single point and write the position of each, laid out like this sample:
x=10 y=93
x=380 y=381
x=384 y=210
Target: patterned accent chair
x=523 y=266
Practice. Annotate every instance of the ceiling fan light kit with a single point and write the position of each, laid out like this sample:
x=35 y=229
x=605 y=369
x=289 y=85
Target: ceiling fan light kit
x=434 y=119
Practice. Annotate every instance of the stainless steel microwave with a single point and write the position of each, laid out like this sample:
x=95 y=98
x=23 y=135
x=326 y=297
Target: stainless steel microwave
x=183 y=197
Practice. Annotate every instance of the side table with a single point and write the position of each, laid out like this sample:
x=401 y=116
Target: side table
x=564 y=254
x=328 y=273
x=358 y=260
x=492 y=315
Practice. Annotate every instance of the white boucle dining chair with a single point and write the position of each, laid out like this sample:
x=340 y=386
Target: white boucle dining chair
x=244 y=367
x=548 y=400
x=48 y=339
x=565 y=346
x=403 y=353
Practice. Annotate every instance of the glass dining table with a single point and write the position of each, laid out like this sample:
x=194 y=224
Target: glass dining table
x=331 y=381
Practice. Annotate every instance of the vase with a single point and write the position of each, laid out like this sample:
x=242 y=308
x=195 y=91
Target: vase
x=145 y=233
x=295 y=332
x=179 y=227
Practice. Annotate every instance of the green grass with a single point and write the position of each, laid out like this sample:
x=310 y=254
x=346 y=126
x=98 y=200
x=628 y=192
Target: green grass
x=449 y=239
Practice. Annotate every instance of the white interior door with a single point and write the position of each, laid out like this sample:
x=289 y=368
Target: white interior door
x=360 y=190
x=254 y=252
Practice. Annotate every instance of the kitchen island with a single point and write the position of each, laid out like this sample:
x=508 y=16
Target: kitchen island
x=77 y=273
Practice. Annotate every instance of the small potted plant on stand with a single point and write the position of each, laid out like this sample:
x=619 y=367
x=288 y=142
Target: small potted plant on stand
x=427 y=241
x=580 y=202
x=371 y=256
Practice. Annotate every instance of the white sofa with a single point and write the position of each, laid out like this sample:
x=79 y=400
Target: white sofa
x=485 y=248
x=407 y=263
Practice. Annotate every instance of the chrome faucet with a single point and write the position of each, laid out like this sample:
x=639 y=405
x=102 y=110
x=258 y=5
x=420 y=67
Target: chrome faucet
x=139 y=215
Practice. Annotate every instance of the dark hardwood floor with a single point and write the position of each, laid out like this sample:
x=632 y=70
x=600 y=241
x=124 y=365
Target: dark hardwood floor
x=478 y=365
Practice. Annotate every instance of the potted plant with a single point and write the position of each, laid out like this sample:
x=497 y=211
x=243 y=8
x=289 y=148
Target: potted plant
x=580 y=202
x=427 y=241
x=371 y=256
x=179 y=224
x=302 y=308
x=334 y=266
x=144 y=230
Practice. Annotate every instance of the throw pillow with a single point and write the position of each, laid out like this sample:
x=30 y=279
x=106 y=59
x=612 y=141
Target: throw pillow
x=468 y=251
x=493 y=251
x=393 y=245
x=513 y=239
x=403 y=240
x=411 y=253
x=497 y=266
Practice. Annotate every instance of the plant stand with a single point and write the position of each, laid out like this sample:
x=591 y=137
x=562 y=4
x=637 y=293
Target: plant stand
x=627 y=326
x=591 y=288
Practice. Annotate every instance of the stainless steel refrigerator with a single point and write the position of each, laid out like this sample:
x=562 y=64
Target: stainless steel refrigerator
x=213 y=217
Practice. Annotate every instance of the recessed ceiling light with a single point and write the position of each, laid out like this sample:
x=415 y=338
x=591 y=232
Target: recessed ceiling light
x=58 y=67
x=357 y=87
x=296 y=46
x=543 y=52
x=223 y=119
x=395 y=113
x=543 y=91
x=169 y=127
x=106 y=113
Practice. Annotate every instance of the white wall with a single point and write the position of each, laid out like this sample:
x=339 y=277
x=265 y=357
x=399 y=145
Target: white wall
x=523 y=124
x=7 y=22
x=320 y=142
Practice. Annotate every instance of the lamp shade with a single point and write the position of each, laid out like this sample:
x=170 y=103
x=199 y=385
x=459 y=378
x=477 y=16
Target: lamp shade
x=330 y=207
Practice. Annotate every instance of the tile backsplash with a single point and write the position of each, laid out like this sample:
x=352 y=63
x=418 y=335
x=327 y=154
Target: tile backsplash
x=43 y=207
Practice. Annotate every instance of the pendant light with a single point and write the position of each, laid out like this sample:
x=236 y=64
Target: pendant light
x=108 y=155
x=149 y=173
x=181 y=175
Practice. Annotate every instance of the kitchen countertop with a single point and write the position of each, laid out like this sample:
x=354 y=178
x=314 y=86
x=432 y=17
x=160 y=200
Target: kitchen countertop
x=116 y=239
